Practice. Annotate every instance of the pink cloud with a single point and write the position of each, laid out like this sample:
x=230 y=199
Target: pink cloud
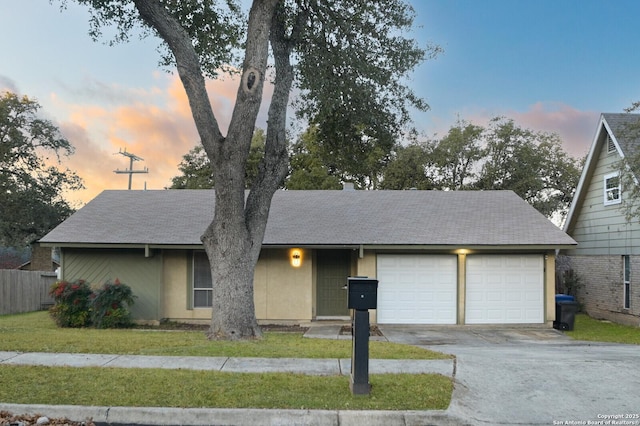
x=576 y=128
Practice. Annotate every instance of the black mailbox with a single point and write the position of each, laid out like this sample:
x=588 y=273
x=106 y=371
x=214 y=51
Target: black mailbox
x=363 y=293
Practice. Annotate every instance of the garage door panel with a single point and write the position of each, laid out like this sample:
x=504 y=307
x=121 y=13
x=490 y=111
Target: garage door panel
x=417 y=289
x=504 y=289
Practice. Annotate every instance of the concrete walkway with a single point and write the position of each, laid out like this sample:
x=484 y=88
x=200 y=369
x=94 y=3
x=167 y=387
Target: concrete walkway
x=204 y=416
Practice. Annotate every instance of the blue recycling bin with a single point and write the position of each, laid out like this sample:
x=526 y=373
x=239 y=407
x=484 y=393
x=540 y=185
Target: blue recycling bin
x=566 y=310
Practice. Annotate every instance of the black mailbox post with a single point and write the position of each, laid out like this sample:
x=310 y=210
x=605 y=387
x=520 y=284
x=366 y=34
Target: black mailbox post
x=363 y=295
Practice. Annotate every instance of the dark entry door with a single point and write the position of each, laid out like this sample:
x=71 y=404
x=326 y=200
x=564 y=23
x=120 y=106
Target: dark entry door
x=334 y=267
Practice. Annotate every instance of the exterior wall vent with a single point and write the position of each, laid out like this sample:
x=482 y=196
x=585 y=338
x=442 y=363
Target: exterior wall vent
x=611 y=147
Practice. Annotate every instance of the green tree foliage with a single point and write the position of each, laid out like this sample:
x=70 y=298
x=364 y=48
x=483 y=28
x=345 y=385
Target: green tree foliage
x=499 y=157
x=31 y=179
x=408 y=169
x=532 y=164
x=309 y=168
x=456 y=156
x=358 y=120
x=197 y=172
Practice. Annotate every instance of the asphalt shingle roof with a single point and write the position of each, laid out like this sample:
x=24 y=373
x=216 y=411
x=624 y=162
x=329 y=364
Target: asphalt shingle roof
x=179 y=217
x=626 y=129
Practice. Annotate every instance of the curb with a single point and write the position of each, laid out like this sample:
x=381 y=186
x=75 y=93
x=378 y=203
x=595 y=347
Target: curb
x=148 y=416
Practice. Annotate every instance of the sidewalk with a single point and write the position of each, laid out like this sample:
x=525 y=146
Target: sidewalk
x=175 y=416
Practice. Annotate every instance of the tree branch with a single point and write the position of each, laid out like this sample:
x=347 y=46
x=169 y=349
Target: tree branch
x=189 y=70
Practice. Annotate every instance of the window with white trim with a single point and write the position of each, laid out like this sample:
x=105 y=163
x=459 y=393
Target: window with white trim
x=626 y=261
x=202 y=283
x=612 y=189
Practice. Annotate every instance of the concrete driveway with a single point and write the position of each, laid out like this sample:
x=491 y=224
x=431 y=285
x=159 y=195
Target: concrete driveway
x=533 y=376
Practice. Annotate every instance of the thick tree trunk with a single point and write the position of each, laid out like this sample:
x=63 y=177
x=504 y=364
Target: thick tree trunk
x=234 y=237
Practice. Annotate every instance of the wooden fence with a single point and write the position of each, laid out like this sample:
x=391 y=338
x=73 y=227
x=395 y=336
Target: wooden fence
x=25 y=291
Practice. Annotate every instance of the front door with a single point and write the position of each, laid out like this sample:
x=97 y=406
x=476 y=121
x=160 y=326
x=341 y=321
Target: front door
x=334 y=266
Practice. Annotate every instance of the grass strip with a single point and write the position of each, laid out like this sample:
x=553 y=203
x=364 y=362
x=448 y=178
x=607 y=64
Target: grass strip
x=36 y=332
x=193 y=389
x=593 y=330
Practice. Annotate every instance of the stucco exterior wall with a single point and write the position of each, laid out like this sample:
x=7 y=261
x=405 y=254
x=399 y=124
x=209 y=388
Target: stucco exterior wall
x=602 y=293
x=367 y=266
x=283 y=293
x=176 y=277
x=549 y=288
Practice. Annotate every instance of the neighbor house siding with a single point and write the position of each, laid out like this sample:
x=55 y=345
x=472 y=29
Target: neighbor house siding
x=602 y=293
x=130 y=266
x=600 y=229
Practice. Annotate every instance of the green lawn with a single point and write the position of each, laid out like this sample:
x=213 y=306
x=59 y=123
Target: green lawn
x=36 y=332
x=186 y=388
x=587 y=328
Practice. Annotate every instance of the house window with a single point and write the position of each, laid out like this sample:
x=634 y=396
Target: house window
x=202 y=284
x=627 y=281
x=612 y=189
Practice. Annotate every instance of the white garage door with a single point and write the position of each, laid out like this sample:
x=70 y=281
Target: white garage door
x=417 y=289
x=504 y=289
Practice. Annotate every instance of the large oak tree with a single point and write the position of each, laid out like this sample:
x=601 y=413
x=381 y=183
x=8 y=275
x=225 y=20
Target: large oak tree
x=350 y=60
x=32 y=181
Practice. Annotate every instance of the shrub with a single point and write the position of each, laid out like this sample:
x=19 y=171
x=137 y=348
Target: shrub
x=110 y=305
x=72 y=303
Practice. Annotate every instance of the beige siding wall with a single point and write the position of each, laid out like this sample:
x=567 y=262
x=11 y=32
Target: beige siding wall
x=177 y=277
x=601 y=229
x=282 y=293
x=602 y=293
x=550 y=288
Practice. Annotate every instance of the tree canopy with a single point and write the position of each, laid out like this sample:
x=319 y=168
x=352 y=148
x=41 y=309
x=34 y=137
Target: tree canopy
x=196 y=171
x=502 y=156
x=32 y=182
x=349 y=60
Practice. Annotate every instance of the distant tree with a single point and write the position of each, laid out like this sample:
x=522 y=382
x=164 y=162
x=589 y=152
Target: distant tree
x=532 y=164
x=309 y=170
x=197 y=172
x=501 y=156
x=32 y=183
x=408 y=168
x=456 y=156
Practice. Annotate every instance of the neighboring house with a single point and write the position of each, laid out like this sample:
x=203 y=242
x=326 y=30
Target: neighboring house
x=459 y=257
x=607 y=258
x=41 y=260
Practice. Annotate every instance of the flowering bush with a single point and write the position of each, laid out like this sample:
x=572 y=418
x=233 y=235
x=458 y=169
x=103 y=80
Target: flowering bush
x=76 y=305
x=110 y=305
x=72 y=303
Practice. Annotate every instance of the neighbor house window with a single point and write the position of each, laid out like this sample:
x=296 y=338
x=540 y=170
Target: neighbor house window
x=626 y=260
x=612 y=189
x=202 y=284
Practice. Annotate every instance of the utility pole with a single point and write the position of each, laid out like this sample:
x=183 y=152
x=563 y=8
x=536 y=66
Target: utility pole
x=130 y=171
